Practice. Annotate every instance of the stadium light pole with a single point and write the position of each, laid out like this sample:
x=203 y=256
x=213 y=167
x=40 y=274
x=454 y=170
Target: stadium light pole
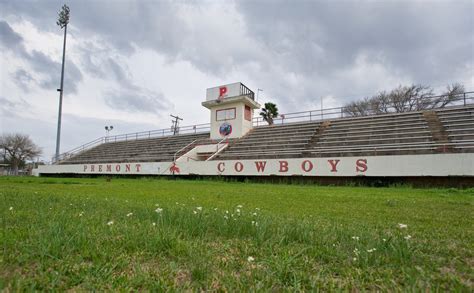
x=63 y=20
x=108 y=129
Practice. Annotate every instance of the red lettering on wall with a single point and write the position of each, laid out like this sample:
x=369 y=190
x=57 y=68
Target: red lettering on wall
x=238 y=167
x=260 y=166
x=361 y=165
x=100 y=168
x=221 y=167
x=137 y=167
x=117 y=168
x=108 y=168
x=85 y=168
x=92 y=168
x=333 y=164
x=127 y=168
x=307 y=165
x=283 y=166
x=222 y=91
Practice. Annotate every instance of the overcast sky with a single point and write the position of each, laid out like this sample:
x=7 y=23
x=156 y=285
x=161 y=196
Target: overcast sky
x=132 y=63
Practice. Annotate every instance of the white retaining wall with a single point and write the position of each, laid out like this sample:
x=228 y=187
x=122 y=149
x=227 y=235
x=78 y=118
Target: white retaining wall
x=400 y=166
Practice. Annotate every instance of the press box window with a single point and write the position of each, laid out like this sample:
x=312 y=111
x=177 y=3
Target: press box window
x=225 y=114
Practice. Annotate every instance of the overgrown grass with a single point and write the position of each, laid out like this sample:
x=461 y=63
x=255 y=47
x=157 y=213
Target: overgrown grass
x=90 y=234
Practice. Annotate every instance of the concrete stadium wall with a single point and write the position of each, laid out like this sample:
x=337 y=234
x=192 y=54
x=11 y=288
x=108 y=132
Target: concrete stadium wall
x=370 y=166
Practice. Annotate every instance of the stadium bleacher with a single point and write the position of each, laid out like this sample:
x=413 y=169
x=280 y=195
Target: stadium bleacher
x=387 y=134
x=424 y=132
x=161 y=149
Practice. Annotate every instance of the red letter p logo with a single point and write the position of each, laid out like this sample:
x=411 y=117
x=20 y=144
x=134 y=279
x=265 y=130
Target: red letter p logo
x=222 y=92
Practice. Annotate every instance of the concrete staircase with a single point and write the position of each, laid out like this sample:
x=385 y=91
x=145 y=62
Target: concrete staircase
x=438 y=132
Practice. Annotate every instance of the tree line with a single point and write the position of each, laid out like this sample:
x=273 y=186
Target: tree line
x=403 y=99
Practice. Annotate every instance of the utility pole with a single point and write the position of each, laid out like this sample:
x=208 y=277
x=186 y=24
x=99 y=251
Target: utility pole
x=63 y=20
x=175 y=124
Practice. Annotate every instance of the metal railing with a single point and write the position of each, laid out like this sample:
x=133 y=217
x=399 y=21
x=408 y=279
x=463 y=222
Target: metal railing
x=340 y=112
x=191 y=129
x=245 y=91
x=218 y=148
x=304 y=116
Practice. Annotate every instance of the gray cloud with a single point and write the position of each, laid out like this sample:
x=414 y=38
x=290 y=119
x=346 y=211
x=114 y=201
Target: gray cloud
x=101 y=63
x=296 y=50
x=40 y=63
x=23 y=79
x=8 y=37
x=136 y=101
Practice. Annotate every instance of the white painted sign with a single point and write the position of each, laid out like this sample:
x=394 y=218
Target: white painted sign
x=223 y=91
x=400 y=166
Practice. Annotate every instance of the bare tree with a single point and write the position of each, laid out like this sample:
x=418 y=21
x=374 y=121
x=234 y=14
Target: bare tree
x=18 y=148
x=403 y=99
x=452 y=93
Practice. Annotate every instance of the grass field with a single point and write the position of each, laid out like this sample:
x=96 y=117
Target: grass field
x=84 y=234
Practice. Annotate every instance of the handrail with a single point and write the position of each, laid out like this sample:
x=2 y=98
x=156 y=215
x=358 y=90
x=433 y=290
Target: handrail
x=217 y=149
x=339 y=112
x=183 y=148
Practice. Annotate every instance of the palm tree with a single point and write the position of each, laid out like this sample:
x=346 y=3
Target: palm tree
x=269 y=112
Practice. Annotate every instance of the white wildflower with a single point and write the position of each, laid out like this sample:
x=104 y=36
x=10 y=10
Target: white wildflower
x=226 y=217
x=195 y=212
x=384 y=240
x=129 y=214
x=238 y=211
x=80 y=214
x=199 y=208
x=355 y=238
x=215 y=209
x=402 y=226
x=154 y=224
x=257 y=209
x=159 y=210
x=10 y=209
x=239 y=206
x=226 y=212
x=408 y=237
x=354 y=259
x=254 y=214
x=250 y=259
x=356 y=251
x=110 y=223
x=371 y=250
